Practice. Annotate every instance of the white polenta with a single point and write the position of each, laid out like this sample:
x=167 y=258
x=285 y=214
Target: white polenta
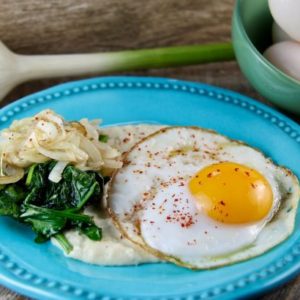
x=112 y=249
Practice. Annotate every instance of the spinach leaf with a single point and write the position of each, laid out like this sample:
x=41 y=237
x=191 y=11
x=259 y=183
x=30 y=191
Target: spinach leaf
x=44 y=222
x=73 y=191
x=64 y=243
x=92 y=231
x=10 y=198
x=50 y=208
x=47 y=222
x=84 y=185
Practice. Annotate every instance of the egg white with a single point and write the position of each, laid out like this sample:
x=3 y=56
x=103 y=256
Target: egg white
x=161 y=166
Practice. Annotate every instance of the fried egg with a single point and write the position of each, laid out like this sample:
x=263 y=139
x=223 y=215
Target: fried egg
x=201 y=200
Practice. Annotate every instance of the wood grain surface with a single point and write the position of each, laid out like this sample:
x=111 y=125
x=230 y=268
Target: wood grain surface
x=69 y=26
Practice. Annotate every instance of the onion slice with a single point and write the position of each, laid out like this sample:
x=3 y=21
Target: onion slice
x=47 y=136
x=56 y=173
x=11 y=174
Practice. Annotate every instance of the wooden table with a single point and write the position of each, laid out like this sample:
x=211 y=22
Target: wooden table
x=55 y=26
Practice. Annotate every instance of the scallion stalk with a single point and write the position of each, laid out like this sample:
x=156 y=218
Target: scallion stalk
x=41 y=66
x=172 y=56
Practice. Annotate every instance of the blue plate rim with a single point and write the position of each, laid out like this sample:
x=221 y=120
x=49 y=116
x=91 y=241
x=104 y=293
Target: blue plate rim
x=8 y=268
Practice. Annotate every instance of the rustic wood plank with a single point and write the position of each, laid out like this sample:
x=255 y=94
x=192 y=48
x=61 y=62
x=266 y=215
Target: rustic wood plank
x=35 y=26
x=69 y=26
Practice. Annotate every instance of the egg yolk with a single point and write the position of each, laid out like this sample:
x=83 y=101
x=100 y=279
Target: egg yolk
x=232 y=193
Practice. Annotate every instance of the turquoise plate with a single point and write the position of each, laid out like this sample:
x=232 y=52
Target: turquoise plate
x=42 y=271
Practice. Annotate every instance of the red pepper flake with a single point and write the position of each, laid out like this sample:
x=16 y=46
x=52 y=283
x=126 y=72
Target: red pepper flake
x=222 y=203
x=126 y=140
x=138 y=171
x=236 y=169
x=247 y=173
x=289 y=172
x=137 y=207
x=253 y=185
x=209 y=175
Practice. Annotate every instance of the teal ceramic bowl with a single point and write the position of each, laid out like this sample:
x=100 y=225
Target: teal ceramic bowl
x=251 y=34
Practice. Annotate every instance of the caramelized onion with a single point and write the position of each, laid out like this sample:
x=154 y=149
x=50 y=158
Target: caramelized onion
x=47 y=136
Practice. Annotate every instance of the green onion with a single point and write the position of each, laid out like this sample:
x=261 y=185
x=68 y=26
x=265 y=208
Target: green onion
x=170 y=56
x=29 y=175
x=44 y=66
x=103 y=138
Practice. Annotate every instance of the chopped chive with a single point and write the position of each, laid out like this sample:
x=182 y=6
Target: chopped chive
x=103 y=138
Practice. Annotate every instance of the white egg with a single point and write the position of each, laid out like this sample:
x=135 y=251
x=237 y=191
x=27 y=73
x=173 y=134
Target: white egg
x=279 y=35
x=286 y=57
x=152 y=204
x=286 y=14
